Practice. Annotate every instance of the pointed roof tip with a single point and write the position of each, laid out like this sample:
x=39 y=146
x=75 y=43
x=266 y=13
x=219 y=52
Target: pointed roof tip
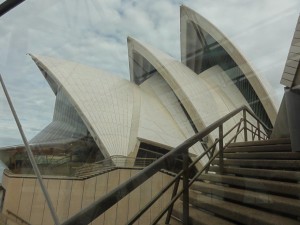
x=129 y=38
x=33 y=57
x=182 y=6
x=188 y=9
x=134 y=40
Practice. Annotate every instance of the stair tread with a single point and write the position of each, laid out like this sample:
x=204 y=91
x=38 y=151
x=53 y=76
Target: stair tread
x=271 y=186
x=198 y=217
x=260 y=148
x=262 y=163
x=262 y=200
x=268 y=194
x=263 y=155
x=239 y=213
x=173 y=221
x=261 y=173
x=262 y=142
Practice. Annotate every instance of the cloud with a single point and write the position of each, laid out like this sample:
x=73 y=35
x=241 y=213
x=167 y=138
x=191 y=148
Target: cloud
x=95 y=32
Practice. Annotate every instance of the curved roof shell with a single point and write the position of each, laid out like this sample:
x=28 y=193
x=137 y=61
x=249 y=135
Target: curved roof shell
x=204 y=97
x=166 y=101
x=117 y=112
x=195 y=54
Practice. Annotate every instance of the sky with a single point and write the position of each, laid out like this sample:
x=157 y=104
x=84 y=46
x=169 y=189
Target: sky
x=94 y=33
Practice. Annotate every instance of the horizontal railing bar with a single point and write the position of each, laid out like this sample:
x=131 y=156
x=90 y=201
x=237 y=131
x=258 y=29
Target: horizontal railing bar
x=250 y=123
x=214 y=145
x=228 y=132
x=202 y=155
x=203 y=169
x=260 y=131
x=256 y=117
x=230 y=140
x=213 y=148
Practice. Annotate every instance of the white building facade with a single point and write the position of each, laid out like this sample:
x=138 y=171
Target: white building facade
x=164 y=103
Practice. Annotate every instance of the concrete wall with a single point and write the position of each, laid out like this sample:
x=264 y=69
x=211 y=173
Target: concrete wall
x=281 y=127
x=291 y=72
x=24 y=197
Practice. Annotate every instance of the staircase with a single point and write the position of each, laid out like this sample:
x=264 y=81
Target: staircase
x=259 y=185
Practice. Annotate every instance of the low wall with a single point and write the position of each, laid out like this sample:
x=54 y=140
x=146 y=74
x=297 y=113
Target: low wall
x=24 y=197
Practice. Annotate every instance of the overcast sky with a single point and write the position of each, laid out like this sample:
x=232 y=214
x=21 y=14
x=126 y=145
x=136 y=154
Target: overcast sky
x=94 y=33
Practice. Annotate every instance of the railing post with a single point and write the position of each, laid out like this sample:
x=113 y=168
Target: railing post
x=212 y=154
x=245 y=125
x=175 y=189
x=221 y=149
x=258 y=132
x=185 y=184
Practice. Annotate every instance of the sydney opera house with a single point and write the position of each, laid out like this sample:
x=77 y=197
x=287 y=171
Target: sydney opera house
x=105 y=129
x=165 y=101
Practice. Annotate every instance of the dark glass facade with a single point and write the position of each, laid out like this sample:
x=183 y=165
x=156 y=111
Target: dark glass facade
x=142 y=68
x=204 y=52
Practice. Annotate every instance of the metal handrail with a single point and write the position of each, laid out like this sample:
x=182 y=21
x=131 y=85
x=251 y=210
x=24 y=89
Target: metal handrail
x=8 y=5
x=95 y=209
x=119 y=160
x=59 y=162
x=114 y=162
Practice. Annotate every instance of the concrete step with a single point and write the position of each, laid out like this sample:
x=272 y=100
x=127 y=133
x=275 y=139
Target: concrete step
x=263 y=155
x=260 y=148
x=266 y=186
x=199 y=217
x=173 y=221
x=268 y=164
x=262 y=142
x=261 y=173
x=274 y=203
x=239 y=213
